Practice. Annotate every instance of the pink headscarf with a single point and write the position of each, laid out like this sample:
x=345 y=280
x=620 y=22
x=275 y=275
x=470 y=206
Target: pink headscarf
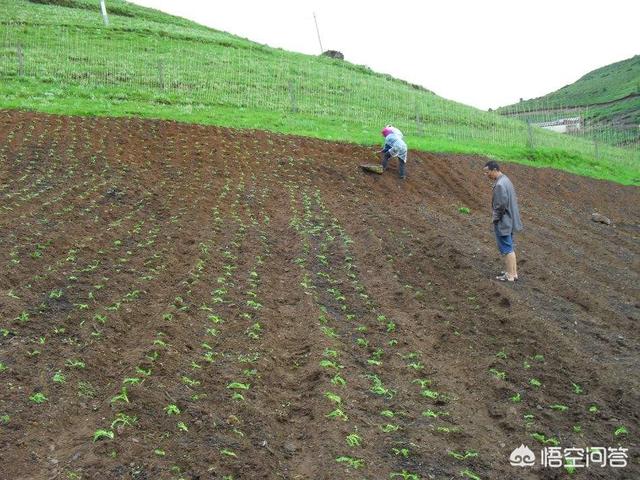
x=386 y=131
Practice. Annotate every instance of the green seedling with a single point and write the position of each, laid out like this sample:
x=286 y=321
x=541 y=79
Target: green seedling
x=577 y=389
x=404 y=475
x=423 y=382
x=143 y=371
x=132 y=381
x=124 y=420
x=401 y=452
x=463 y=456
x=338 y=414
x=469 y=474
x=544 y=440
x=434 y=414
x=59 y=377
x=121 y=397
x=190 y=382
x=228 y=453
x=498 y=374
x=594 y=409
x=538 y=358
x=3 y=367
x=338 y=380
x=330 y=364
x=378 y=388
x=464 y=210
x=389 y=427
x=432 y=394
x=354 y=463
x=38 y=398
x=55 y=294
x=448 y=429
x=85 y=389
x=172 y=409
x=621 y=431
x=559 y=407
x=159 y=452
x=328 y=352
x=5 y=419
x=239 y=386
x=354 y=440
x=74 y=363
x=102 y=434
x=329 y=332
x=254 y=305
x=182 y=426
x=153 y=356
x=502 y=355
x=577 y=429
x=534 y=382
x=23 y=317
x=333 y=397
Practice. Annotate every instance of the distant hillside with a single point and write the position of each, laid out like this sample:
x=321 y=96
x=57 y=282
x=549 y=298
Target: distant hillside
x=608 y=99
x=57 y=56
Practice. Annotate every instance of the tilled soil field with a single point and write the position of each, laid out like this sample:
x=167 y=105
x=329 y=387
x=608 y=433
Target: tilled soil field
x=190 y=302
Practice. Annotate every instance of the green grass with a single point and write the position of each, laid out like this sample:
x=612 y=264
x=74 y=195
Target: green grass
x=61 y=59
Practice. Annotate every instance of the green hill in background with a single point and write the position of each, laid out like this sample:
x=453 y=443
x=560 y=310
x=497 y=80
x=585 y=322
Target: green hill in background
x=57 y=56
x=608 y=99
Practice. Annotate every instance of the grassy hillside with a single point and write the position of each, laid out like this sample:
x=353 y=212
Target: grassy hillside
x=607 y=98
x=605 y=84
x=56 y=56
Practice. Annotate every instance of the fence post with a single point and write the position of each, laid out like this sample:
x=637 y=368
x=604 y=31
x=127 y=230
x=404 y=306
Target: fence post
x=161 y=74
x=530 y=132
x=292 y=97
x=419 y=122
x=20 y=54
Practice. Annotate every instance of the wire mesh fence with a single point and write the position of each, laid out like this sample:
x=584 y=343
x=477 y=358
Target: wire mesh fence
x=180 y=70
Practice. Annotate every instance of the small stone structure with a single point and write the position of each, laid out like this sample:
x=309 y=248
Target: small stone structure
x=333 y=54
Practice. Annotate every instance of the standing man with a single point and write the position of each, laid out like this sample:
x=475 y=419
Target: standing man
x=506 y=218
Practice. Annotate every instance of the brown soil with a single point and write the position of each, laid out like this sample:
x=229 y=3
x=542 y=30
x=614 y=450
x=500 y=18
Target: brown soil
x=282 y=299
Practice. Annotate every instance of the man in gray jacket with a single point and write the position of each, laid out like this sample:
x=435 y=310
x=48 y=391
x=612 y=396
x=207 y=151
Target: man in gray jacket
x=506 y=218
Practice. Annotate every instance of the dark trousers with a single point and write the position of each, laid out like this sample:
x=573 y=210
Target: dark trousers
x=401 y=165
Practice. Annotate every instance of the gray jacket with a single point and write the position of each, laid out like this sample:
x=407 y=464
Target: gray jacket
x=506 y=214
